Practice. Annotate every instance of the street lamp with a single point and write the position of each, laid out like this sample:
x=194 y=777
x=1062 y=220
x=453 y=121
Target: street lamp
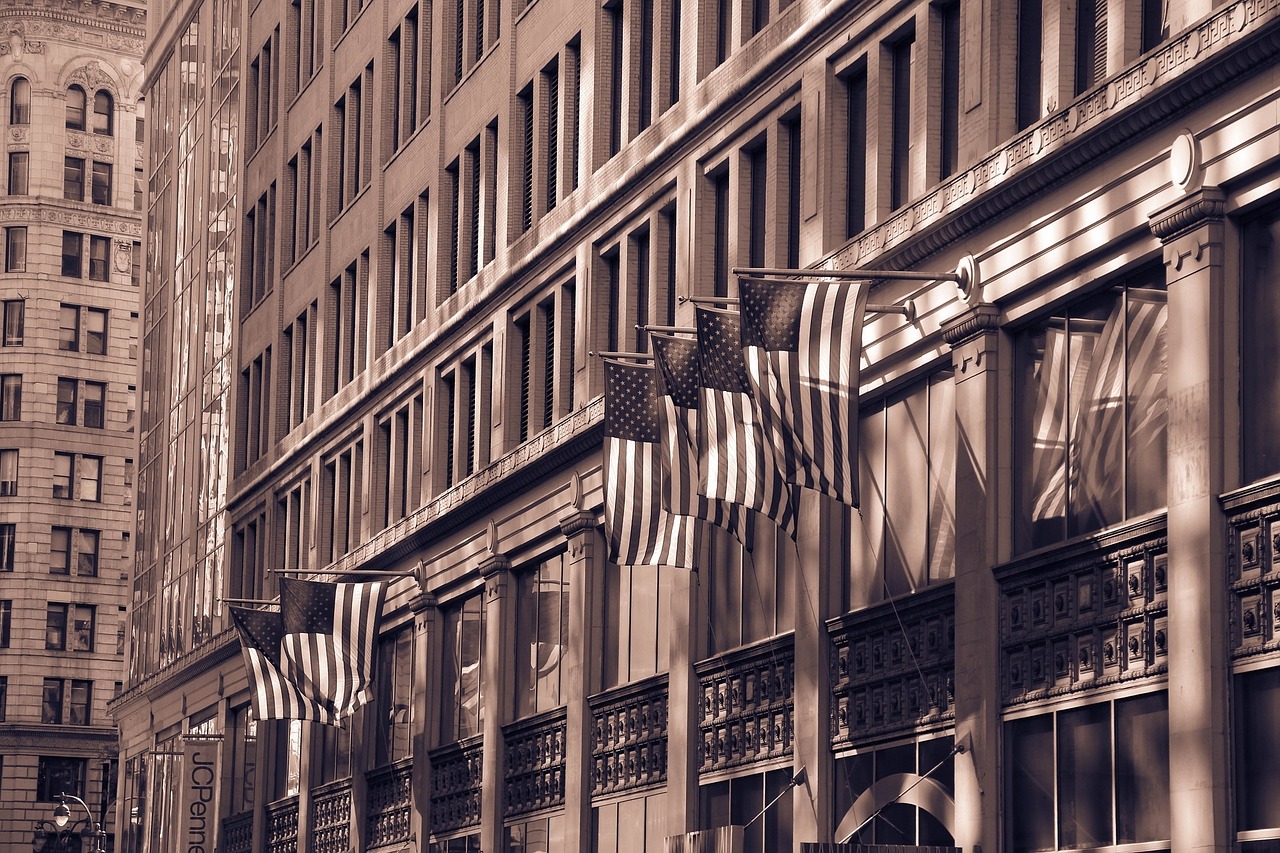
x=56 y=837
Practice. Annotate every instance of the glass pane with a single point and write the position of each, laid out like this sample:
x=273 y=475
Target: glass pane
x=1260 y=351
x=1030 y=783
x=866 y=567
x=896 y=823
x=1084 y=776
x=1257 y=743
x=1095 y=412
x=1147 y=413
x=942 y=478
x=1142 y=769
x=552 y=602
x=605 y=820
x=1041 y=430
x=906 y=484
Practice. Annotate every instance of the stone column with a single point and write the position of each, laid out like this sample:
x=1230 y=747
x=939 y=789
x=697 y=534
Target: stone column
x=684 y=702
x=425 y=700
x=581 y=675
x=982 y=464
x=816 y=596
x=1192 y=230
x=497 y=688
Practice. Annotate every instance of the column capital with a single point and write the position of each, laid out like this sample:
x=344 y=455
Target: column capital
x=576 y=521
x=493 y=564
x=1205 y=206
x=422 y=603
x=978 y=320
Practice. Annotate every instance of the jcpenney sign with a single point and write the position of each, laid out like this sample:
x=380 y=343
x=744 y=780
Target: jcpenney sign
x=200 y=777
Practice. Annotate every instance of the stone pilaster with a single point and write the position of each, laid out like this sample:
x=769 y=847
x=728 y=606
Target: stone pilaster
x=1192 y=231
x=684 y=699
x=582 y=670
x=499 y=632
x=426 y=697
x=982 y=464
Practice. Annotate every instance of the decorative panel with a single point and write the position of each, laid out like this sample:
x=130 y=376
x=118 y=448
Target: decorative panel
x=747 y=705
x=535 y=763
x=1085 y=618
x=893 y=669
x=282 y=826
x=237 y=833
x=331 y=818
x=390 y=797
x=1253 y=564
x=629 y=739
x=455 y=785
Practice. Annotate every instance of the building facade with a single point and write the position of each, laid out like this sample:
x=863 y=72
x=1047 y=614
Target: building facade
x=386 y=239
x=71 y=208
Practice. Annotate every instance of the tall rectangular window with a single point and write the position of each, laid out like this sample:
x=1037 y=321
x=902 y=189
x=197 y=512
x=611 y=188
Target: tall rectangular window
x=1091 y=44
x=1259 y=347
x=65 y=413
x=55 y=627
x=1029 y=47
x=637 y=630
x=87 y=544
x=19 y=169
x=394 y=686
x=9 y=486
x=1091 y=413
x=72 y=254
x=8 y=545
x=464 y=632
x=95 y=332
x=101 y=193
x=720 y=233
x=95 y=402
x=99 y=258
x=900 y=126
x=14 y=320
x=81 y=705
x=613 y=27
x=6 y=620
x=51 y=701
x=60 y=551
x=525 y=101
x=855 y=85
x=542 y=626
x=551 y=174
x=757 y=160
x=11 y=397
x=15 y=248
x=1155 y=26
x=791 y=191
x=644 y=73
x=949 y=120
x=73 y=178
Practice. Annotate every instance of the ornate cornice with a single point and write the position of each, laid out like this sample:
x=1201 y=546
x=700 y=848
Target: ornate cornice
x=1186 y=214
x=120 y=18
x=1235 y=42
x=80 y=220
x=978 y=320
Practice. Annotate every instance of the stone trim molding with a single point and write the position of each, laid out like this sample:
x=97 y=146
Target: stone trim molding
x=978 y=320
x=1186 y=214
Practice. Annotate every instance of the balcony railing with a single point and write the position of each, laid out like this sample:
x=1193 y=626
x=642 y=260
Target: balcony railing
x=390 y=799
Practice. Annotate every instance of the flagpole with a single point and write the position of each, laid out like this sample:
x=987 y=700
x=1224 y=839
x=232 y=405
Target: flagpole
x=817 y=274
x=907 y=309
x=248 y=601
x=638 y=356
x=343 y=572
x=674 y=330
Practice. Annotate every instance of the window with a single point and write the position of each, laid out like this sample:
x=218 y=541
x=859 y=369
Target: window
x=293 y=516
x=542 y=625
x=95 y=340
x=1091 y=44
x=6 y=619
x=95 y=398
x=534 y=834
x=342 y=487
x=463 y=712
x=903 y=57
x=300 y=370
x=630 y=825
x=394 y=686
x=19 y=169
x=242 y=735
x=103 y=113
x=404 y=92
x=10 y=397
x=453 y=182
x=906 y=538
x=308 y=23
x=87 y=553
x=255 y=402
x=81 y=702
x=262 y=93
x=949 y=120
x=403 y=300
x=62 y=465
x=8 y=475
x=4 y=699
x=14 y=322
x=1155 y=27
x=8 y=546
x=474 y=29
x=742 y=798
x=73 y=178
x=1256 y=741
x=400 y=445
x=15 y=248
x=305 y=185
x=60 y=551
x=65 y=413
x=51 y=701
x=750 y=599
x=135 y=264
x=898 y=823
x=353 y=116
x=139 y=194
x=1028 y=72
x=1260 y=310
x=1091 y=413
x=719 y=181
x=69 y=328
x=90 y=478
x=75 y=108
x=1089 y=777
x=101 y=183
x=72 y=254
x=99 y=258
x=249 y=575
x=466 y=393
x=55 y=627
x=20 y=101
x=613 y=32
x=346 y=309
x=757 y=163
x=544 y=361
x=637 y=631
x=56 y=776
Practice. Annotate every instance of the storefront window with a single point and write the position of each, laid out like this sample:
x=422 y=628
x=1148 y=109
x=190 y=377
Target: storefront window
x=1092 y=410
x=542 y=627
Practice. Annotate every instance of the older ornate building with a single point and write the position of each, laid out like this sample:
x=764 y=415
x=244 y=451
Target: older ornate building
x=70 y=86
x=385 y=239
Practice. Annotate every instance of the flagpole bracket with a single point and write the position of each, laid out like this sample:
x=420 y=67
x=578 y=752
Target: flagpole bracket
x=968 y=281
x=907 y=309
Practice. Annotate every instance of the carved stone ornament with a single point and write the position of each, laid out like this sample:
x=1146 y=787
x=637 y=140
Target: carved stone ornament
x=15 y=43
x=92 y=77
x=18 y=133
x=123 y=255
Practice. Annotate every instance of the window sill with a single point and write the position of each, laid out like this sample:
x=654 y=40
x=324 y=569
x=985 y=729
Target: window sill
x=468 y=73
x=351 y=25
x=409 y=140
x=303 y=85
x=306 y=253
x=355 y=199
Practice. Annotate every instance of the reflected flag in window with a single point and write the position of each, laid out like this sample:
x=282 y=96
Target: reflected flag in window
x=679 y=375
x=639 y=530
x=803 y=342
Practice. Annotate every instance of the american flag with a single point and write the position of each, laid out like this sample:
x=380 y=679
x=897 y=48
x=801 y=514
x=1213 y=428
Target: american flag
x=639 y=530
x=803 y=342
x=679 y=376
x=312 y=659
x=736 y=464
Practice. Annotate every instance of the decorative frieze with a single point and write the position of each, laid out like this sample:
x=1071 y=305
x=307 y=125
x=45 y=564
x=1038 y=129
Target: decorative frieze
x=629 y=738
x=282 y=826
x=1253 y=570
x=1088 y=619
x=747 y=705
x=331 y=818
x=237 y=833
x=535 y=762
x=893 y=667
x=390 y=799
x=456 y=780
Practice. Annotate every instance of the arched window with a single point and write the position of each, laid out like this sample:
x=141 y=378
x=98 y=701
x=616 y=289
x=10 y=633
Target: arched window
x=20 y=101
x=103 y=110
x=75 y=108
